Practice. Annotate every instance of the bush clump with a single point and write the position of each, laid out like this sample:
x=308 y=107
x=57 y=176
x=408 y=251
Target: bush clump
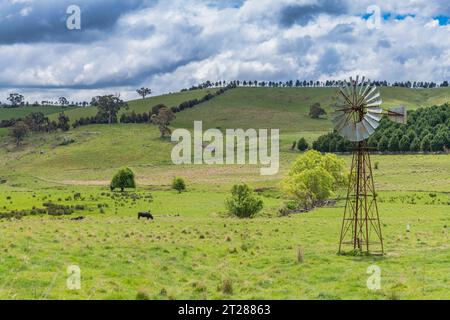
x=179 y=184
x=243 y=203
x=58 y=209
x=123 y=179
x=314 y=178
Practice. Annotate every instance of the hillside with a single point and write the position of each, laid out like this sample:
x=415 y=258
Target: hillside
x=284 y=108
x=288 y=108
x=142 y=105
x=99 y=150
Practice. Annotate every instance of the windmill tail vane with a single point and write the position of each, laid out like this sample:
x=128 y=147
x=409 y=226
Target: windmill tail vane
x=357 y=115
x=398 y=115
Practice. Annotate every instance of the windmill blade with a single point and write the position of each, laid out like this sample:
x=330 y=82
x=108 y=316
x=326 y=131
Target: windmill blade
x=354 y=85
x=346 y=96
x=340 y=101
x=374 y=117
x=349 y=132
x=346 y=88
x=335 y=116
x=375 y=110
x=372 y=122
x=340 y=121
x=377 y=95
x=398 y=115
x=352 y=89
x=370 y=129
x=361 y=132
x=340 y=107
x=366 y=88
x=362 y=85
x=370 y=92
x=375 y=104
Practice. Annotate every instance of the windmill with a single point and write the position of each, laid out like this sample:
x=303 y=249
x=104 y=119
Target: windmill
x=357 y=116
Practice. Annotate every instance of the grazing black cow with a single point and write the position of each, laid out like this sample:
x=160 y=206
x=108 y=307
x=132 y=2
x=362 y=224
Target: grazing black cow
x=145 y=215
x=77 y=219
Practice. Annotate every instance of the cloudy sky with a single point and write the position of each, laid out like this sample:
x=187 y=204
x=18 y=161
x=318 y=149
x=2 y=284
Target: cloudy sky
x=172 y=44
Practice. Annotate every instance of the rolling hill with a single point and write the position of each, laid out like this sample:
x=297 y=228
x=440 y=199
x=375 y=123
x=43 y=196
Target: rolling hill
x=284 y=108
x=100 y=149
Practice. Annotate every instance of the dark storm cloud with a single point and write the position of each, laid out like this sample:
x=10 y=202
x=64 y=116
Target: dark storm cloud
x=329 y=62
x=342 y=33
x=45 y=20
x=302 y=14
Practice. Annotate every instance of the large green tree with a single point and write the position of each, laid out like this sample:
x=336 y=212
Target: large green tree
x=439 y=141
x=314 y=178
x=19 y=131
x=109 y=106
x=426 y=143
x=63 y=122
x=162 y=120
x=383 y=144
x=143 y=92
x=124 y=179
x=415 y=145
x=316 y=111
x=394 y=144
x=16 y=99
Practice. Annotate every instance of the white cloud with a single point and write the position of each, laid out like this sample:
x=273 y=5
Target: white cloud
x=176 y=44
x=26 y=11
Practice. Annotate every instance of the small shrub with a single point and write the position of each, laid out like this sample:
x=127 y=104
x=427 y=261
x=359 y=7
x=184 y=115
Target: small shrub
x=377 y=165
x=243 y=203
x=57 y=209
x=302 y=145
x=179 y=184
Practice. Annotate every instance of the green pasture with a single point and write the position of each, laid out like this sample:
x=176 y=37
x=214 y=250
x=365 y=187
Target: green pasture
x=193 y=249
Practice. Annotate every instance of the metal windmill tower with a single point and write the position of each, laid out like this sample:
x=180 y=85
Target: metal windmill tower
x=358 y=114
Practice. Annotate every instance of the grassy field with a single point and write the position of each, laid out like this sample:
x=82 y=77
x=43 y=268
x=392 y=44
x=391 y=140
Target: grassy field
x=194 y=250
x=178 y=256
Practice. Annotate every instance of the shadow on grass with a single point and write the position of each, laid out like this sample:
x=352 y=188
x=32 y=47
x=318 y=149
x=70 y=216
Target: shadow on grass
x=359 y=256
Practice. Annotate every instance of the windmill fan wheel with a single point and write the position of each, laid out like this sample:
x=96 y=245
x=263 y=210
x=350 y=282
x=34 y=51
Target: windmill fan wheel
x=357 y=112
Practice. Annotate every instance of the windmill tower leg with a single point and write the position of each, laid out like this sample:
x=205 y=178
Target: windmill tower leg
x=361 y=227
